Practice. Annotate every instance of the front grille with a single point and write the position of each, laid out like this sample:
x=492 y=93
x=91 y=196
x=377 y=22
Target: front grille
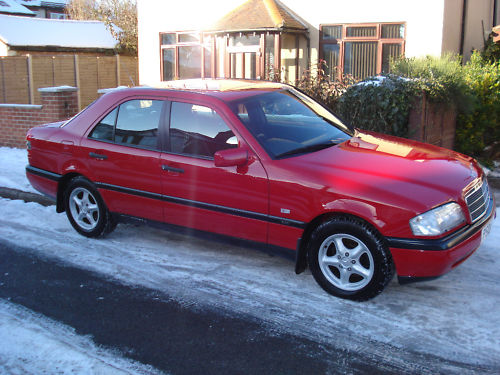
x=478 y=200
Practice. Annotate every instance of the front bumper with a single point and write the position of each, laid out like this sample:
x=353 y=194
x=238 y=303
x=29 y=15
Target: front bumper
x=421 y=258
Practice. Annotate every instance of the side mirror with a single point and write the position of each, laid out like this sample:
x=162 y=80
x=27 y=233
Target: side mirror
x=231 y=157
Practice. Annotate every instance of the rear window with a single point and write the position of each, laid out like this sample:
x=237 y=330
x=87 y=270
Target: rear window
x=134 y=122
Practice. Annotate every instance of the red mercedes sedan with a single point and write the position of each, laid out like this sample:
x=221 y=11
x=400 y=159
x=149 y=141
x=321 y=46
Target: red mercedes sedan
x=267 y=164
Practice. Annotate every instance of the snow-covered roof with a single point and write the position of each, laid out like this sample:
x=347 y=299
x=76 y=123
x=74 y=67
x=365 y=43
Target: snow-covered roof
x=41 y=3
x=12 y=7
x=40 y=32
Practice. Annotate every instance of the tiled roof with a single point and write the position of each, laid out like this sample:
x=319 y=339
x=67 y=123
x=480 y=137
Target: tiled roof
x=259 y=14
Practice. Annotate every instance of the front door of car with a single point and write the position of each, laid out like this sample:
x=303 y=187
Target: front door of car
x=229 y=200
x=123 y=155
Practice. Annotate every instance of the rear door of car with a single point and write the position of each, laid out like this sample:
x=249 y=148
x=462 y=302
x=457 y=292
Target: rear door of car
x=122 y=150
x=226 y=200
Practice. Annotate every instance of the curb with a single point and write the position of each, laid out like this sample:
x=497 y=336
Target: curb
x=25 y=196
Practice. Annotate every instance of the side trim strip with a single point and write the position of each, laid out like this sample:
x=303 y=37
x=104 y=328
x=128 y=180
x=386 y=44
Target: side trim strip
x=43 y=173
x=444 y=243
x=203 y=205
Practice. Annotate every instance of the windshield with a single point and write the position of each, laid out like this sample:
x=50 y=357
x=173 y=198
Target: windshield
x=288 y=123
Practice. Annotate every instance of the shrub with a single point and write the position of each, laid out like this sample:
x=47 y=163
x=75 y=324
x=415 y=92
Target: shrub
x=491 y=51
x=383 y=104
x=380 y=104
x=318 y=85
x=478 y=131
x=441 y=78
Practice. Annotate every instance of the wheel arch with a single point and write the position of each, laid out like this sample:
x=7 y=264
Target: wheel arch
x=61 y=188
x=302 y=248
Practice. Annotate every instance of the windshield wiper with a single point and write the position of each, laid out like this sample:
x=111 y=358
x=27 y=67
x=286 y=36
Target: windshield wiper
x=305 y=149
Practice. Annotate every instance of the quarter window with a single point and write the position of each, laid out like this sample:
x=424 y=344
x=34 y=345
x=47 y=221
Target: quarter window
x=105 y=128
x=198 y=131
x=134 y=122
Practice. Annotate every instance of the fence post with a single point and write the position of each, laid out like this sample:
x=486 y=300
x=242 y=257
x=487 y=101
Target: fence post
x=118 y=72
x=31 y=88
x=77 y=80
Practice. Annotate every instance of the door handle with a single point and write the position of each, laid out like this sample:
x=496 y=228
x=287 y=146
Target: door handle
x=172 y=169
x=97 y=156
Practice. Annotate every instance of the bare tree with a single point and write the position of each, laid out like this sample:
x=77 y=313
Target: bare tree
x=119 y=16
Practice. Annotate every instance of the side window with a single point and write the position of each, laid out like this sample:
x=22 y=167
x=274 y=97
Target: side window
x=104 y=129
x=198 y=130
x=134 y=123
x=137 y=123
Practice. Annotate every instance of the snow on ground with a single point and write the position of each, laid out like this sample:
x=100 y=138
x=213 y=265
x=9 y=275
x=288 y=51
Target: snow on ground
x=455 y=317
x=12 y=169
x=53 y=348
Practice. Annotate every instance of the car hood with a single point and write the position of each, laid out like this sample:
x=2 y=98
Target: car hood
x=392 y=170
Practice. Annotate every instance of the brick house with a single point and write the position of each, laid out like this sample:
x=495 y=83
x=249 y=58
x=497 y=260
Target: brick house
x=258 y=38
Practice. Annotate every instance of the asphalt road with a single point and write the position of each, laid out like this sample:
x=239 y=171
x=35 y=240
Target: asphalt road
x=152 y=328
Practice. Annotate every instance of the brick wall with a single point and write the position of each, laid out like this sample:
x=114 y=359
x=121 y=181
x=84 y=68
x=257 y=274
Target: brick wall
x=58 y=103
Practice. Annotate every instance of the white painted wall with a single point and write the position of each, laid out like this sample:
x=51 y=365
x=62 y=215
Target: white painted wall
x=424 y=20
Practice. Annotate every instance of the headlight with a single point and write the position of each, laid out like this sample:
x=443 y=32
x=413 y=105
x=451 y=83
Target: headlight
x=438 y=220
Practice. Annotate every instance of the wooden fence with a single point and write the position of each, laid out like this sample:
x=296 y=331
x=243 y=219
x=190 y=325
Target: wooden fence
x=22 y=76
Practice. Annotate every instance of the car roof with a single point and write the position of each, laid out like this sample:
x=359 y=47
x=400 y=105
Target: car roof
x=223 y=89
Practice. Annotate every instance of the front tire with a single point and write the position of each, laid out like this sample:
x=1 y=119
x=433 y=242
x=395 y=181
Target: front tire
x=86 y=210
x=349 y=259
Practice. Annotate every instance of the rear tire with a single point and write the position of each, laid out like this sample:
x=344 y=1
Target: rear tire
x=86 y=210
x=349 y=259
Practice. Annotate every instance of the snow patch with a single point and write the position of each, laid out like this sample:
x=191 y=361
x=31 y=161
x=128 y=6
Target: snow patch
x=18 y=31
x=34 y=344
x=13 y=162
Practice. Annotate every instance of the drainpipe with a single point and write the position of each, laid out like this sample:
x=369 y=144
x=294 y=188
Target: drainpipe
x=495 y=11
x=462 y=33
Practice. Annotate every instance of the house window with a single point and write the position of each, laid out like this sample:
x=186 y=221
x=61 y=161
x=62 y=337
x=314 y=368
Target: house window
x=361 y=50
x=186 y=55
x=58 y=16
